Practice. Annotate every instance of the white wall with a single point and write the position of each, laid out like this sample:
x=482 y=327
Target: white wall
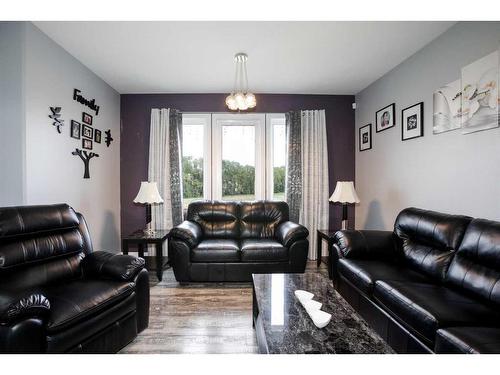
x=12 y=187
x=447 y=172
x=53 y=174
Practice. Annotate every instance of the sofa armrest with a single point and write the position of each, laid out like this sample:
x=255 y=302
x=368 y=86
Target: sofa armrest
x=290 y=232
x=14 y=306
x=187 y=231
x=365 y=244
x=106 y=265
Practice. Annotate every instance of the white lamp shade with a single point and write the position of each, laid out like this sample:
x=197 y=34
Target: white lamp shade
x=344 y=193
x=148 y=193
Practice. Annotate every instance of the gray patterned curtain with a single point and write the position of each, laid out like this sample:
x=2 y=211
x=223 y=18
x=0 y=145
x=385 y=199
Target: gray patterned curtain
x=165 y=166
x=293 y=182
x=175 y=127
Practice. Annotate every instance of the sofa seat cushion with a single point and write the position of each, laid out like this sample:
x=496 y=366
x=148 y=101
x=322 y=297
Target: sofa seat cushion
x=465 y=340
x=424 y=308
x=364 y=273
x=76 y=301
x=216 y=251
x=263 y=250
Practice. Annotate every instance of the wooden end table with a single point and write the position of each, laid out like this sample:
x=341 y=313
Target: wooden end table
x=141 y=239
x=324 y=235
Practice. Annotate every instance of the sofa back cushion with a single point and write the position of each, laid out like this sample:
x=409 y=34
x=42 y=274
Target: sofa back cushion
x=217 y=219
x=259 y=219
x=476 y=264
x=40 y=244
x=428 y=239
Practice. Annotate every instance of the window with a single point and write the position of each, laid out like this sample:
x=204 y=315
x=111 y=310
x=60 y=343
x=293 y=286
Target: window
x=195 y=157
x=233 y=156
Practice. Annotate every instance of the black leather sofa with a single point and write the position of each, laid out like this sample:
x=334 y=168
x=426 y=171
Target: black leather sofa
x=228 y=241
x=431 y=285
x=56 y=294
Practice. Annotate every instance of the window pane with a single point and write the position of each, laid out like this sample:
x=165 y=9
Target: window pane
x=238 y=162
x=192 y=163
x=279 y=159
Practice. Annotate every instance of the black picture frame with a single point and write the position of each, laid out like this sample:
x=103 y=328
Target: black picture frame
x=361 y=137
x=391 y=109
x=415 y=120
x=86 y=118
x=97 y=136
x=86 y=144
x=75 y=129
x=87 y=132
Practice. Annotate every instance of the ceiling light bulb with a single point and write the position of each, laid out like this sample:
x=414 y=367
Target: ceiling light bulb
x=250 y=100
x=230 y=101
x=240 y=100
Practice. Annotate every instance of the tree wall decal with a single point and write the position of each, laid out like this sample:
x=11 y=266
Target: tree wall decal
x=56 y=117
x=108 y=138
x=85 y=156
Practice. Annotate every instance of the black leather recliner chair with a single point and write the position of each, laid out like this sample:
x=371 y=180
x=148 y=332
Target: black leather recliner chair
x=56 y=294
x=228 y=241
x=431 y=285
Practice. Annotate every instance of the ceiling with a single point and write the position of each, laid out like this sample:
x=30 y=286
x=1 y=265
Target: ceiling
x=283 y=57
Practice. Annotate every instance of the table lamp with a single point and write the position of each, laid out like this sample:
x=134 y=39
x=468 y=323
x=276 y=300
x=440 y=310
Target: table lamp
x=148 y=194
x=344 y=193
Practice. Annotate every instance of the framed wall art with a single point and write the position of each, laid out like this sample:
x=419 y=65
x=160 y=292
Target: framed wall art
x=447 y=108
x=385 y=118
x=412 y=121
x=97 y=136
x=87 y=132
x=86 y=144
x=86 y=118
x=365 y=137
x=75 y=129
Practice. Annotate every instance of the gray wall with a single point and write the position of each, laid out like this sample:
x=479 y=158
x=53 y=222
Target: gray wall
x=12 y=114
x=52 y=174
x=448 y=172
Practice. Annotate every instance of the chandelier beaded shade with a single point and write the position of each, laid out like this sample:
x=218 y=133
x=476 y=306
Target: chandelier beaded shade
x=240 y=98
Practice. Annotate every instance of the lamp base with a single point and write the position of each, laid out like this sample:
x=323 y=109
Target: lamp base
x=344 y=224
x=148 y=231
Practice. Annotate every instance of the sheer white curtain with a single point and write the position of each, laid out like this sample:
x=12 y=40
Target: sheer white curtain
x=314 y=207
x=159 y=167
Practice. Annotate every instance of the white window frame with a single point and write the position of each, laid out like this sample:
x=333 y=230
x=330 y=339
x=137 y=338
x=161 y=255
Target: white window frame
x=204 y=119
x=227 y=119
x=271 y=118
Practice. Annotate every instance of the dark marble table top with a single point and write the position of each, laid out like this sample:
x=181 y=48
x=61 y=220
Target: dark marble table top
x=288 y=328
x=141 y=236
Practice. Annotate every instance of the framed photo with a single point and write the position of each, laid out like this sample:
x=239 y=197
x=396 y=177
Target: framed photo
x=97 y=136
x=365 y=137
x=412 y=122
x=87 y=144
x=86 y=118
x=480 y=109
x=447 y=108
x=75 y=129
x=385 y=118
x=87 y=132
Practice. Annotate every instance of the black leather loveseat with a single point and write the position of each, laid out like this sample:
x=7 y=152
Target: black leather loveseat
x=431 y=285
x=56 y=294
x=228 y=241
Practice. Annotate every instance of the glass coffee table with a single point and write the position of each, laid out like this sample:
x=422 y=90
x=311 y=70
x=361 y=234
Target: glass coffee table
x=283 y=326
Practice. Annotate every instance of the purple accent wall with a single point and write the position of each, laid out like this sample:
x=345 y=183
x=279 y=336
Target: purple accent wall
x=135 y=119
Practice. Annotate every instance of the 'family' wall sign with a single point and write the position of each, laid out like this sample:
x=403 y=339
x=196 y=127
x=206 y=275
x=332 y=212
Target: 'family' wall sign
x=89 y=103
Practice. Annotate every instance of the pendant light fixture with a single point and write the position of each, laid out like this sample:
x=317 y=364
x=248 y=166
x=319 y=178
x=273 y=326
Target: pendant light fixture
x=240 y=98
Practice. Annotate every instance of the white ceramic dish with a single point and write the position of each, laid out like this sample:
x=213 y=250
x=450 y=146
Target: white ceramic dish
x=312 y=305
x=320 y=318
x=303 y=296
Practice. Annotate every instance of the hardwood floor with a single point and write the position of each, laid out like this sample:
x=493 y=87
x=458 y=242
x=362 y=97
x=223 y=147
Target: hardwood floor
x=199 y=318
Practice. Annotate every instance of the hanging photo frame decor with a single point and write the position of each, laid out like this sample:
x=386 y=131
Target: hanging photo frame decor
x=75 y=129
x=87 y=132
x=412 y=122
x=365 y=137
x=85 y=156
x=86 y=118
x=385 y=118
x=97 y=136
